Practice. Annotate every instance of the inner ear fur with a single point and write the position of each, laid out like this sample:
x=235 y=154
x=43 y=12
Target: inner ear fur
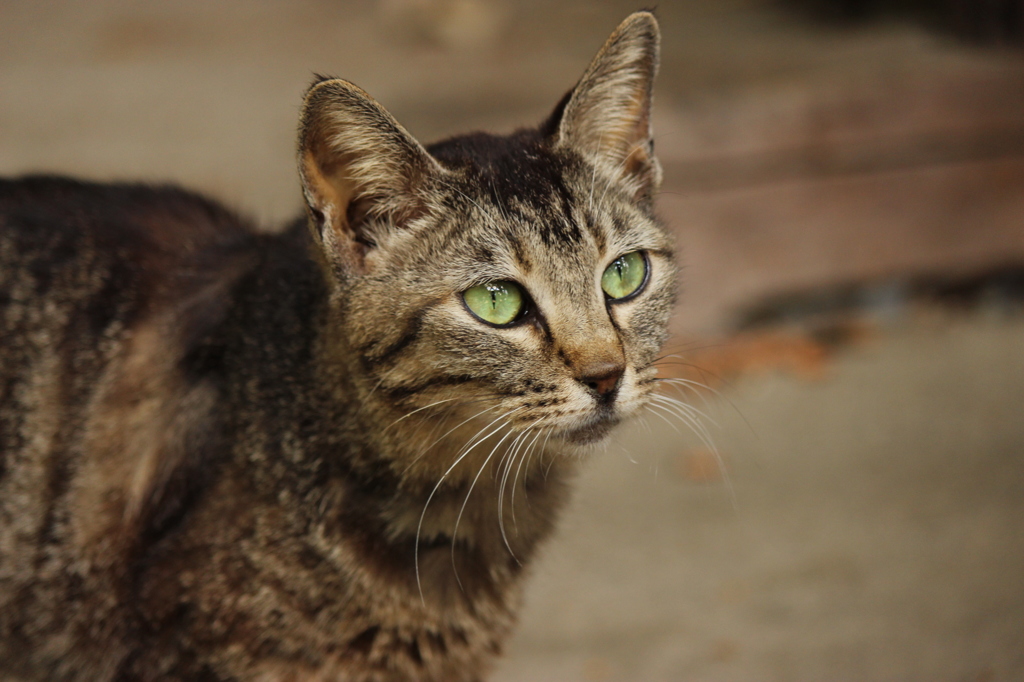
x=361 y=171
x=607 y=116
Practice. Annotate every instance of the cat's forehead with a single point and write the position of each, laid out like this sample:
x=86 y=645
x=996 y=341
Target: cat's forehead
x=520 y=173
x=523 y=198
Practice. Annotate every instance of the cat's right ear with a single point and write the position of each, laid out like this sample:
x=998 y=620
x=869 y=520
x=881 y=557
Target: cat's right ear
x=362 y=173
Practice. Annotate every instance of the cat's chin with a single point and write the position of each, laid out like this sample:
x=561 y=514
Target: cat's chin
x=594 y=432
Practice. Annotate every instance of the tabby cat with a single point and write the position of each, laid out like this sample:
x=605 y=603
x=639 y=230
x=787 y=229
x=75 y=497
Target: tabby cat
x=328 y=453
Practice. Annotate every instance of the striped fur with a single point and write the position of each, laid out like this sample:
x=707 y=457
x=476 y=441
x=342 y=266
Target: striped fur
x=233 y=456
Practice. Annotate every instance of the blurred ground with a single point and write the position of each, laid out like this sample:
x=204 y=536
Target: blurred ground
x=870 y=528
x=871 y=524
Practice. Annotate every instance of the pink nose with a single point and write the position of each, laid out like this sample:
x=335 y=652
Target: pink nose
x=602 y=378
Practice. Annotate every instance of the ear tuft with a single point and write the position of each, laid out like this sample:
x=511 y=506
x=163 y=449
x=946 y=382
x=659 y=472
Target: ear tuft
x=362 y=173
x=607 y=116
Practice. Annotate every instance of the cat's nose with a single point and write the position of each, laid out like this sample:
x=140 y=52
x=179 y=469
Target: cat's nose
x=602 y=378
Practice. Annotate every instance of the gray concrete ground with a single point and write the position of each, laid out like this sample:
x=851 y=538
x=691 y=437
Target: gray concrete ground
x=872 y=523
x=871 y=527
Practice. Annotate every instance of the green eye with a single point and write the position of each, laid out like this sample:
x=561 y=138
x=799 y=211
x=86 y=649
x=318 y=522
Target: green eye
x=495 y=302
x=625 y=275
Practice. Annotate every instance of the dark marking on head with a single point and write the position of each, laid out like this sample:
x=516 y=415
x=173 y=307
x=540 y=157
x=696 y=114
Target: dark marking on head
x=484 y=255
x=521 y=256
x=410 y=331
x=595 y=231
x=363 y=642
x=522 y=176
x=400 y=392
x=619 y=225
x=437 y=643
x=414 y=652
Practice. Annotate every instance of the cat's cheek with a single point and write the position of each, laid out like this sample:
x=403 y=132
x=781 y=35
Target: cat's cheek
x=507 y=358
x=643 y=323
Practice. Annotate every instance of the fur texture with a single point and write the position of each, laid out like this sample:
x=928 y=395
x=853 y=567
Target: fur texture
x=231 y=456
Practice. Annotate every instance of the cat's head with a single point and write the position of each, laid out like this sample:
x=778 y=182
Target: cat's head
x=520 y=281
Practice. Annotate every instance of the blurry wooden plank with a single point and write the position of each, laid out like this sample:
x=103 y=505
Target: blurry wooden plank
x=746 y=243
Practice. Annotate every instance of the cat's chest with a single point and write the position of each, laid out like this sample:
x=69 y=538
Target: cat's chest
x=253 y=586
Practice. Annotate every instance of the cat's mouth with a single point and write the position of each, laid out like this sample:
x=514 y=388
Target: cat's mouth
x=595 y=430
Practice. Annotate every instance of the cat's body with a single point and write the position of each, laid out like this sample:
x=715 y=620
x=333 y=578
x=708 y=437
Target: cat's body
x=230 y=455
x=201 y=345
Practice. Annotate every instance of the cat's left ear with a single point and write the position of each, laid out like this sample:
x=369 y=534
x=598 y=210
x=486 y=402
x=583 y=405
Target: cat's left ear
x=607 y=116
x=362 y=173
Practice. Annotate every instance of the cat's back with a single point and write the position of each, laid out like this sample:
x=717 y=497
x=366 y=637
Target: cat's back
x=87 y=267
x=87 y=256
x=126 y=236
x=107 y=293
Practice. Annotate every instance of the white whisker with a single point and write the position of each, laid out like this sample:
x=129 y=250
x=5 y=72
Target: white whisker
x=529 y=451
x=458 y=519
x=687 y=407
x=420 y=409
x=462 y=455
x=446 y=434
x=695 y=424
x=689 y=386
x=514 y=450
x=683 y=412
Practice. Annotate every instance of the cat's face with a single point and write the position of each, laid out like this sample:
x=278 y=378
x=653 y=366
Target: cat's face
x=502 y=295
x=519 y=281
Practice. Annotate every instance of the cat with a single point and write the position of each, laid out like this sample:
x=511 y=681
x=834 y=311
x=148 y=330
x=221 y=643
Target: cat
x=328 y=453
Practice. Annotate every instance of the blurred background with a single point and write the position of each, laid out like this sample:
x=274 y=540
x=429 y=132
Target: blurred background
x=846 y=183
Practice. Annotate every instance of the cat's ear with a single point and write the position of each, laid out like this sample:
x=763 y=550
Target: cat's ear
x=607 y=116
x=362 y=172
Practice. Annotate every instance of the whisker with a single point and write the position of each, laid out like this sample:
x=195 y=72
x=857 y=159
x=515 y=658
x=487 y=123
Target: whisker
x=458 y=519
x=505 y=465
x=445 y=435
x=689 y=387
x=551 y=463
x=704 y=373
x=690 y=409
x=462 y=455
x=663 y=417
x=529 y=452
x=718 y=394
x=501 y=492
x=693 y=422
x=690 y=383
x=702 y=433
x=498 y=204
x=420 y=409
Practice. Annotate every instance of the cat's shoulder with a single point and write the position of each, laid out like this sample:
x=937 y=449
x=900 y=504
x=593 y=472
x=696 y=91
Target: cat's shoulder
x=144 y=249
x=131 y=285
x=136 y=216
